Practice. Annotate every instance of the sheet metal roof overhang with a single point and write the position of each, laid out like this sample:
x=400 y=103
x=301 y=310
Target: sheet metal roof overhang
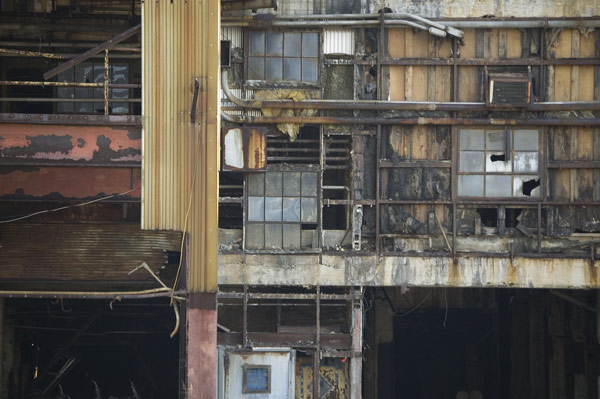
x=181 y=44
x=81 y=256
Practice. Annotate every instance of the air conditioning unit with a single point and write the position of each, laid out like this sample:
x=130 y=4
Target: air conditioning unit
x=508 y=90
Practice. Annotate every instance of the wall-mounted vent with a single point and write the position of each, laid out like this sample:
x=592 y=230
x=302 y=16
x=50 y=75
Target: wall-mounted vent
x=508 y=90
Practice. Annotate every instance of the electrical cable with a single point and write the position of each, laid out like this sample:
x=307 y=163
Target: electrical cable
x=64 y=207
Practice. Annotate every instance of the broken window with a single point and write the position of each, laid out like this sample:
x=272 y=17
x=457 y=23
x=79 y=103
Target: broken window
x=280 y=206
x=275 y=56
x=498 y=163
x=93 y=72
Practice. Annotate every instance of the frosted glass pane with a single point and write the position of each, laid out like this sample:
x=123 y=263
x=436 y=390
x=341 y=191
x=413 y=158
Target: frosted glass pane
x=471 y=139
x=273 y=236
x=291 y=45
x=526 y=140
x=498 y=186
x=256 y=209
x=291 y=69
x=494 y=163
x=273 y=209
x=291 y=183
x=495 y=140
x=309 y=184
x=309 y=70
x=255 y=235
x=274 y=69
x=310 y=44
x=256 y=68
x=273 y=185
x=526 y=161
x=471 y=161
x=291 y=209
x=274 y=43
x=291 y=236
x=257 y=43
x=526 y=186
x=309 y=210
x=470 y=186
x=256 y=184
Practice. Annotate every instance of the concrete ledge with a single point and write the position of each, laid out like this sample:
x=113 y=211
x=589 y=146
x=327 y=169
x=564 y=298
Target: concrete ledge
x=336 y=270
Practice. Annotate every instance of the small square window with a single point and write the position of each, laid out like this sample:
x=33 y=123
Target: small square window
x=256 y=379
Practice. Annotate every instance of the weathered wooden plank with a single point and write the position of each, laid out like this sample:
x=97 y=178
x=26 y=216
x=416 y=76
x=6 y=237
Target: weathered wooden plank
x=502 y=43
x=513 y=43
x=396 y=42
x=396 y=48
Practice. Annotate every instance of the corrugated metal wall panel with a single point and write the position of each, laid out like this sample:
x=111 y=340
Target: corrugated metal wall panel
x=179 y=41
x=233 y=33
x=338 y=41
x=82 y=254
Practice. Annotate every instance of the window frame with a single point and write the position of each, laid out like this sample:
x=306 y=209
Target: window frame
x=247 y=367
x=540 y=173
x=282 y=82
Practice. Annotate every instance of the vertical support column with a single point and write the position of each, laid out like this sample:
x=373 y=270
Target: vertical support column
x=201 y=336
x=356 y=361
x=317 y=352
x=106 y=81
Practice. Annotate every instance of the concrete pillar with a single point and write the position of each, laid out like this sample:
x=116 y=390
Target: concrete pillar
x=201 y=336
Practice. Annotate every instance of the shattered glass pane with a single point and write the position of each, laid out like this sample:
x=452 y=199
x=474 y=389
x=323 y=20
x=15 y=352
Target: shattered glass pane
x=256 y=184
x=526 y=140
x=526 y=186
x=292 y=44
x=526 y=161
x=274 y=70
x=256 y=209
x=471 y=161
x=494 y=162
x=309 y=184
x=256 y=68
x=471 y=139
x=291 y=68
x=273 y=236
x=309 y=70
x=273 y=209
x=274 y=43
x=291 y=183
x=291 y=236
x=495 y=140
x=255 y=235
x=309 y=210
x=291 y=209
x=273 y=185
x=498 y=186
x=310 y=44
x=257 y=43
x=470 y=186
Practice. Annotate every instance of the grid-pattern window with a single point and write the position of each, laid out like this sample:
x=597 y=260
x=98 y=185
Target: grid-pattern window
x=498 y=163
x=279 y=205
x=93 y=72
x=274 y=56
x=256 y=379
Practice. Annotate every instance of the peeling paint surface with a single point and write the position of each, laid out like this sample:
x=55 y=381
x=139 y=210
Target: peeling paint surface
x=408 y=271
x=23 y=144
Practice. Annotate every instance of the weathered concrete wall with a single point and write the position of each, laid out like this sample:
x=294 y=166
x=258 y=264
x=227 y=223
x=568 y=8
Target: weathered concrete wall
x=409 y=271
x=497 y=8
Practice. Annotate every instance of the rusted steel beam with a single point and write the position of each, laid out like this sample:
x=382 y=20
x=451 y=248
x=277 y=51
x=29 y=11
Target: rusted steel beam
x=247 y=5
x=388 y=61
x=65 y=183
x=67 y=100
x=69 y=84
x=93 y=51
x=60 y=145
x=33 y=54
x=77 y=119
x=256 y=295
x=294 y=340
x=416 y=164
x=331 y=120
x=201 y=351
x=142 y=294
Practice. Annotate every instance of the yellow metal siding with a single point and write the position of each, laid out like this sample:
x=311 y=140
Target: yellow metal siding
x=180 y=44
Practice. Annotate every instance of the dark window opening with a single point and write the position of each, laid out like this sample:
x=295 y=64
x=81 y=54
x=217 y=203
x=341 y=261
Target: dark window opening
x=511 y=217
x=489 y=216
x=335 y=217
x=529 y=185
x=496 y=158
x=231 y=192
x=25 y=74
x=305 y=149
